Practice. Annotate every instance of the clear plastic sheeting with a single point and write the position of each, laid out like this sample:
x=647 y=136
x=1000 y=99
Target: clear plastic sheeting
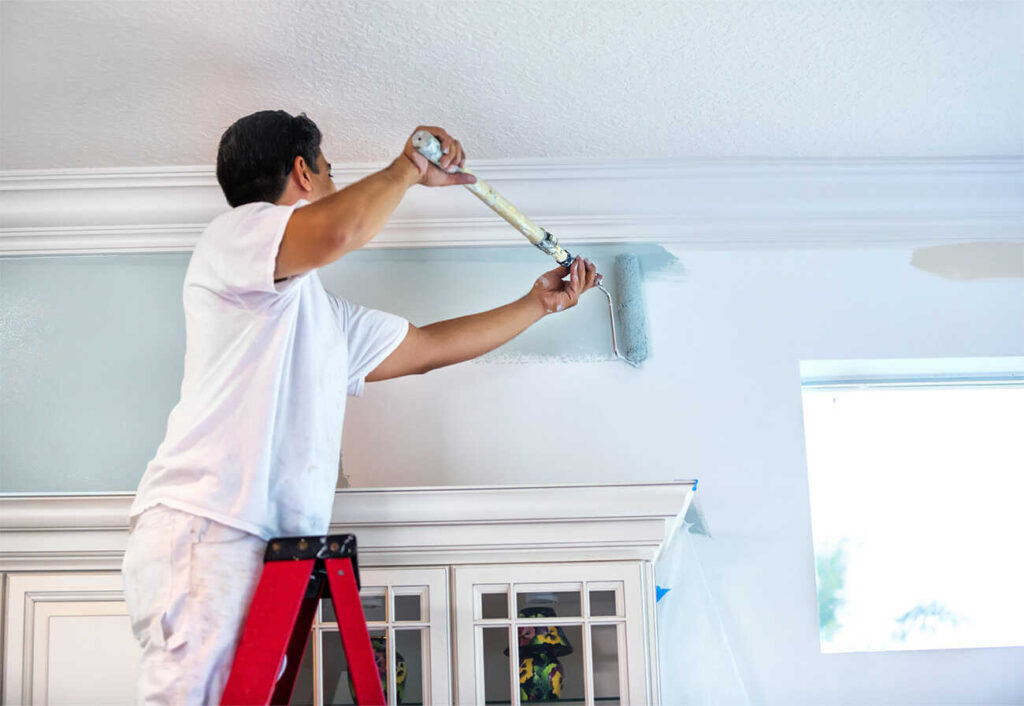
x=697 y=665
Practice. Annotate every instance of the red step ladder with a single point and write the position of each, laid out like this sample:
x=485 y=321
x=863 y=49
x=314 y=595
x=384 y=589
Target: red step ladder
x=295 y=572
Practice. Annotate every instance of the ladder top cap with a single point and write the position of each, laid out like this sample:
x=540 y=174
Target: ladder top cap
x=331 y=546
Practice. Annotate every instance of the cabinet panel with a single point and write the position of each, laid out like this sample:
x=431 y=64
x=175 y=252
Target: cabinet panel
x=67 y=671
x=534 y=632
x=68 y=640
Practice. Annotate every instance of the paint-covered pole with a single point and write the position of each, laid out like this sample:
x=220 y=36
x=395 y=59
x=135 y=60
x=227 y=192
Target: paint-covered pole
x=430 y=147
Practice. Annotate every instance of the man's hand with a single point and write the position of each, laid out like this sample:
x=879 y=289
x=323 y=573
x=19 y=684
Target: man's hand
x=453 y=156
x=556 y=294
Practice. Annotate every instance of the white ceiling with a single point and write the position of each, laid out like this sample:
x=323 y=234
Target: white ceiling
x=107 y=83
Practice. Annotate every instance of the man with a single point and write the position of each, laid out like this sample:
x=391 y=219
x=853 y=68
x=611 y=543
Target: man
x=252 y=447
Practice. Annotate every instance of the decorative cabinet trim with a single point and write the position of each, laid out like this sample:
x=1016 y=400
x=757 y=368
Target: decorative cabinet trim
x=395 y=526
x=30 y=600
x=695 y=202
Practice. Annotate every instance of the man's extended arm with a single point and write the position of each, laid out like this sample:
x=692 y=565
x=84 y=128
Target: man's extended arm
x=467 y=337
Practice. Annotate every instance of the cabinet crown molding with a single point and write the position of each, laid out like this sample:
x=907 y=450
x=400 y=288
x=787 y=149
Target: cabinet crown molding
x=394 y=526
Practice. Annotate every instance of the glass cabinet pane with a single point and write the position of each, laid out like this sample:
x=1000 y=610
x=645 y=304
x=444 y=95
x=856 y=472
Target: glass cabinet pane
x=605 y=648
x=497 y=683
x=410 y=606
x=493 y=603
x=373 y=598
x=375 y=603
x=335 y=670
x=409 y=648
x=604 y=603
x=564 y=604
x=302 y=694
x=550 y=663
x=337 y=685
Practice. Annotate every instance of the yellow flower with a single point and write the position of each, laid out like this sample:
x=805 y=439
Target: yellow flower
x=556 y=684
x=526 y=670
x=551 y=637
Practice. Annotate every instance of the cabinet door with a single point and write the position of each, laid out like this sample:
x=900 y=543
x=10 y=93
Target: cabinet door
x=68 y=640
x=533 y=632
x=406 y=612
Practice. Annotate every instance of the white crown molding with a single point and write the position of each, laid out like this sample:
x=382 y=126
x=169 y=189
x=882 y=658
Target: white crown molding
x=395 y=526
x=695 y=203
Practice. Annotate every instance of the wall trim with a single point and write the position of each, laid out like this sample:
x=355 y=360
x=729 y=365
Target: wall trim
x=395 y=526
x=694 y=203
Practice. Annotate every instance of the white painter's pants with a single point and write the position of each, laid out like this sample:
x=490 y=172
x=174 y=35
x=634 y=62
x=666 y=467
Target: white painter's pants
x=188 y=582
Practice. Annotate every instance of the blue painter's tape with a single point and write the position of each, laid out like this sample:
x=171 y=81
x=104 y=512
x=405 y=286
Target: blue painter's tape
x=660 y=592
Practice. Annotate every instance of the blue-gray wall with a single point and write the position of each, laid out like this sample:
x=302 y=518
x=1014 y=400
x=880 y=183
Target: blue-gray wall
x=91 y=347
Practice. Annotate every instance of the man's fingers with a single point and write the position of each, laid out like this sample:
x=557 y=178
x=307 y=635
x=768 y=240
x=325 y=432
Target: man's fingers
x=591 y=275
x=551 y=278
x=562 y=294
x=576 y=281
x=447 y=143
x=454 y=156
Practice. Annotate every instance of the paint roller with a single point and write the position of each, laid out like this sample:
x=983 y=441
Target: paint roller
x=627 y=308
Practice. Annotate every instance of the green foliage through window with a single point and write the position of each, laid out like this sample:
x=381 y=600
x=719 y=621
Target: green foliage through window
x=831 y=571
x=924 y=619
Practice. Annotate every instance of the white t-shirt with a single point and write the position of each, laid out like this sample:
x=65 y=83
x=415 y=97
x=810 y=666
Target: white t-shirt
x=255 y=440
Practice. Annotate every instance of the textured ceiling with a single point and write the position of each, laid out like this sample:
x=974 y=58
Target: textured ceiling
x=101 y=84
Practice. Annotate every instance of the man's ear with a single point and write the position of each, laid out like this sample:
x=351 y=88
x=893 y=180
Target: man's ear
x=301 y=171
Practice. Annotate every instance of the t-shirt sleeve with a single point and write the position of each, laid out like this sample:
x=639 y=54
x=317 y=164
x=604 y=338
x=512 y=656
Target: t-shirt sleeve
x=242 y=247
x=372 y=336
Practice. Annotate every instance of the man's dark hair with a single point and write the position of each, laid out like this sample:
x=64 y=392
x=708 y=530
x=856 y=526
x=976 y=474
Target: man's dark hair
x=256 y=154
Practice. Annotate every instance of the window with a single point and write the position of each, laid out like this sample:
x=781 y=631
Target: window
x=916 y=475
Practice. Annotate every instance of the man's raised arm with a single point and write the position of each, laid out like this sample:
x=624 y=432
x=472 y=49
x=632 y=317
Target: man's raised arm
x=346 y=220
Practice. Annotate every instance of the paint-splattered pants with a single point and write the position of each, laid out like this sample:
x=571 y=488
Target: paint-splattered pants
x=188 y=582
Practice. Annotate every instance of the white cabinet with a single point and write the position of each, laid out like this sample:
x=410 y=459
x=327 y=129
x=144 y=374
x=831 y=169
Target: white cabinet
x=473 y=595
